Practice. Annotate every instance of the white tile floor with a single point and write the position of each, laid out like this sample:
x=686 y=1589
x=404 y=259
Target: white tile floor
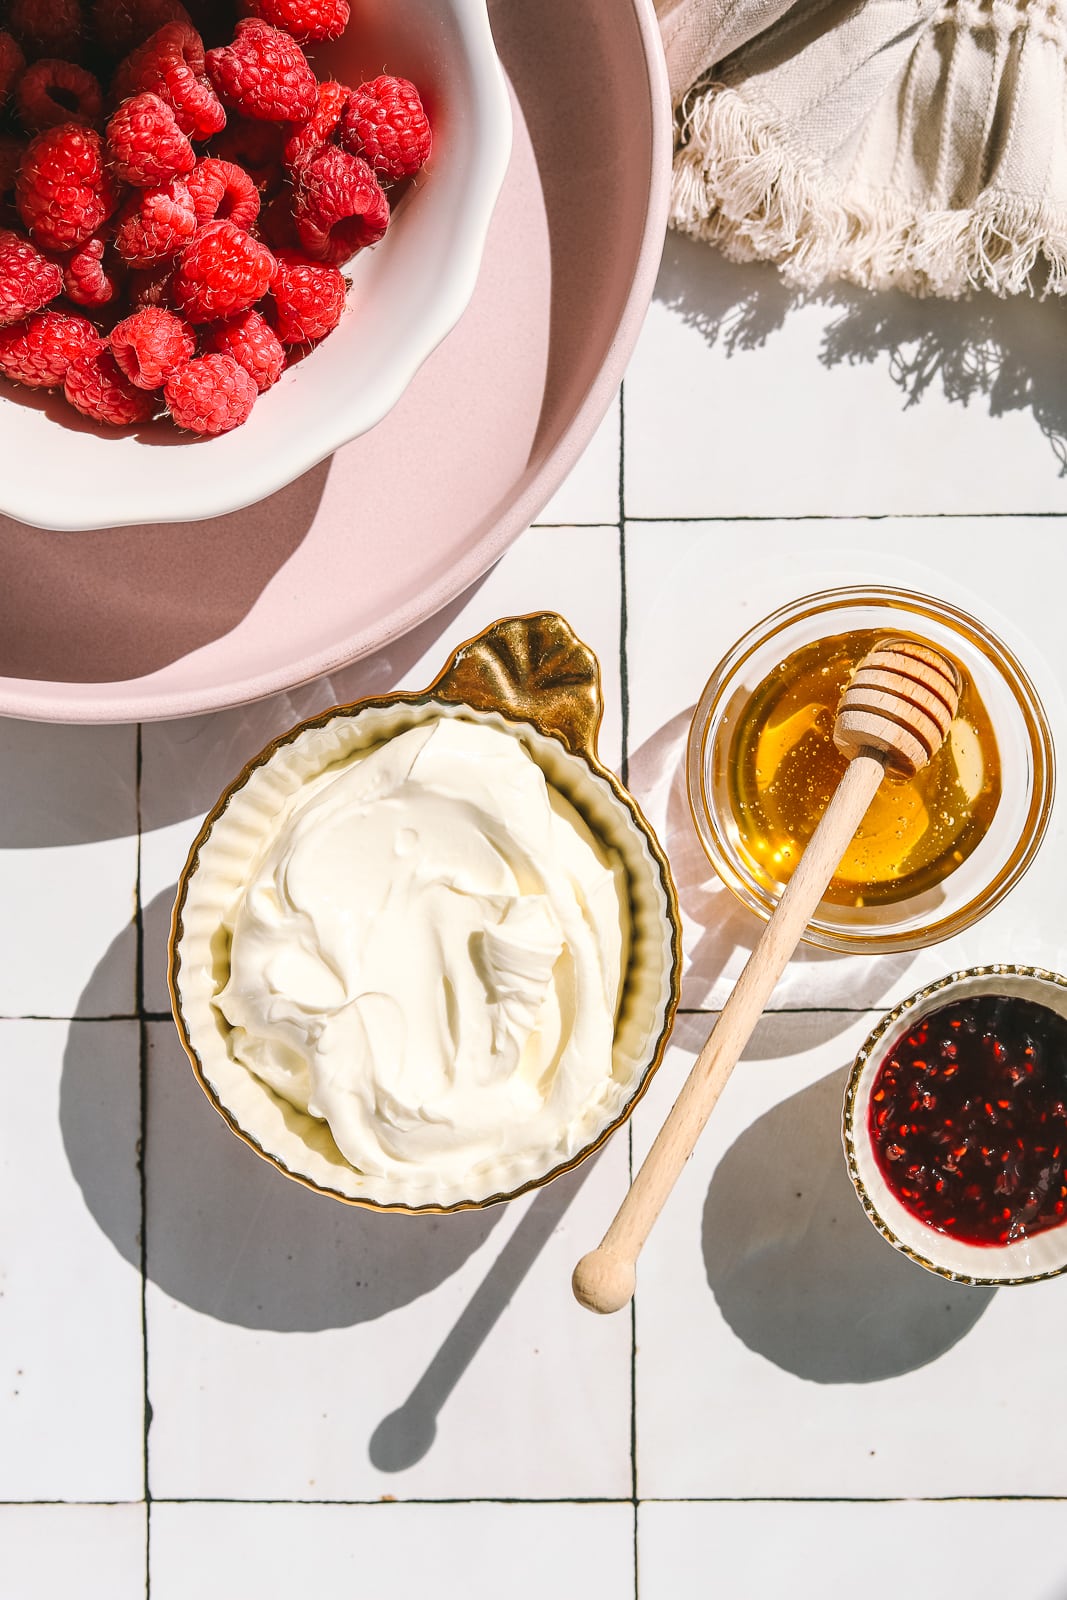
x=211 y=1381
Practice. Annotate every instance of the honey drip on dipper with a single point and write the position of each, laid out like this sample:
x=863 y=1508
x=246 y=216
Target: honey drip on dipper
x=783 y=768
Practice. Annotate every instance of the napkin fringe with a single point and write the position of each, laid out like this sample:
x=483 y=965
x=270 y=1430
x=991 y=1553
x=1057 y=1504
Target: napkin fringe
x=737 y=184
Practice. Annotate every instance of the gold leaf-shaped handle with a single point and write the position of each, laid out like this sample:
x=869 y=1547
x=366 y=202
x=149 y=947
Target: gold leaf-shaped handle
x=534 y=669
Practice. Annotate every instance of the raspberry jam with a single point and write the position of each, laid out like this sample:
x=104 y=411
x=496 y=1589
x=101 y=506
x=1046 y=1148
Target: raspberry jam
x=968 y=1119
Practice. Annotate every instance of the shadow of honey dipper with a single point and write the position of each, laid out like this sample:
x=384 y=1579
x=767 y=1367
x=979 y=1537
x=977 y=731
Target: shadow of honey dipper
x=894 y=715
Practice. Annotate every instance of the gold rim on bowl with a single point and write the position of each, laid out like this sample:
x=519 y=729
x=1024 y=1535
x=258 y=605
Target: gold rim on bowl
x=530 y=671
x=995 y=978
x=1030 y=763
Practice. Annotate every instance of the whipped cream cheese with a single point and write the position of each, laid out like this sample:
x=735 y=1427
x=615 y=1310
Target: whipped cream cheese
x=428 y=954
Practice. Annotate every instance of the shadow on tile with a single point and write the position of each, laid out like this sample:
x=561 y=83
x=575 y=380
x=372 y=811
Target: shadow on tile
x=797 y=1270
x=226 y=1233
x=722 y=925
x=1005 y=352
x=406 y=1435
x=65 y=785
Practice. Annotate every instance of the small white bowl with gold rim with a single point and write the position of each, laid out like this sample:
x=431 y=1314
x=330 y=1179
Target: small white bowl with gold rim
x=1026 y=1259
x=531 y=680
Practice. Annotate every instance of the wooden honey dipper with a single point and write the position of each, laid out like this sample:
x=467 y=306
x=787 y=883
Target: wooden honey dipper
x=894 y=714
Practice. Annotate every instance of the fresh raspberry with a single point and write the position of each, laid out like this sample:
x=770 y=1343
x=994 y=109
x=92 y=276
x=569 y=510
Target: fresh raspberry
x=38 y=352
x=155 y=223
x=171 y=64
x=121 y=25
x=93 y=275
x=149 y=286
x=255 y=146
x=264 y=74
x=223 y=271
x=310 y=137
x=253 y=344
x=385 y=124
x=51 y=92
x=309 y=21
x=96 y=387
x=212 y=394
x=145 y=145
x=151 y=345
x=308 y=298
x=12 y=66
x=48 y=27
x=64 y=192
x=339 y=206
x=223 y=191
x=27 y=280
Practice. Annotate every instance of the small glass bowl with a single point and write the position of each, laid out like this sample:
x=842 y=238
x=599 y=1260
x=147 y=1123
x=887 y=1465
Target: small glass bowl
x=1027 y=766
x=1024 y=1261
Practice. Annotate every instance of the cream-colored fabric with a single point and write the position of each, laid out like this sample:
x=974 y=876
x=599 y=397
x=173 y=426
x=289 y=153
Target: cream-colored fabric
x=906 y=143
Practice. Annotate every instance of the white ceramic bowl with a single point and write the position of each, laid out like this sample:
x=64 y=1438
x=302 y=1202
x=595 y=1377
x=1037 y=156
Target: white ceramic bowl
x=407 y=293
x=1023 y=1261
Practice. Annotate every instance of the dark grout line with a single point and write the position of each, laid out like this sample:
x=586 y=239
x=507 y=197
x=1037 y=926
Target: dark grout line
x=624 y=675
x=624 y=773
x=637 y=1569
x=624 y=664
x=633 y=1383
x=414 y=1500
x=42 y=1016
x=683 y=1011
x=788 y=1011
x=852 y=1500
x=574 y=1500
x=857 y=516
x=142 y=1054
x=90 y=1503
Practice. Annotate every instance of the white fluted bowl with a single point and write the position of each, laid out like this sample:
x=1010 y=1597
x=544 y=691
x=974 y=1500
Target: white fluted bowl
x=1025 y=1260
x=528 y=677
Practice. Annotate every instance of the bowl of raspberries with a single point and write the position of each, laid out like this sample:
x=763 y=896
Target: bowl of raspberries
x=234 y=228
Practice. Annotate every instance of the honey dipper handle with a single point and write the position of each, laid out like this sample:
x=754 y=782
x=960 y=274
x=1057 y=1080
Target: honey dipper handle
x=604 y=1279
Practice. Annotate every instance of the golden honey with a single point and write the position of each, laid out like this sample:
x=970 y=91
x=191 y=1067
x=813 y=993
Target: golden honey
x=784 y=767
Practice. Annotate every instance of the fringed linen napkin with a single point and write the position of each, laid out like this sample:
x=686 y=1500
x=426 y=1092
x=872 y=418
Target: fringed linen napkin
x=913 y=144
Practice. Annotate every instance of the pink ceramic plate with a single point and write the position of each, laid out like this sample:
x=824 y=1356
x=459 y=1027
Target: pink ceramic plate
x=170 y=620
